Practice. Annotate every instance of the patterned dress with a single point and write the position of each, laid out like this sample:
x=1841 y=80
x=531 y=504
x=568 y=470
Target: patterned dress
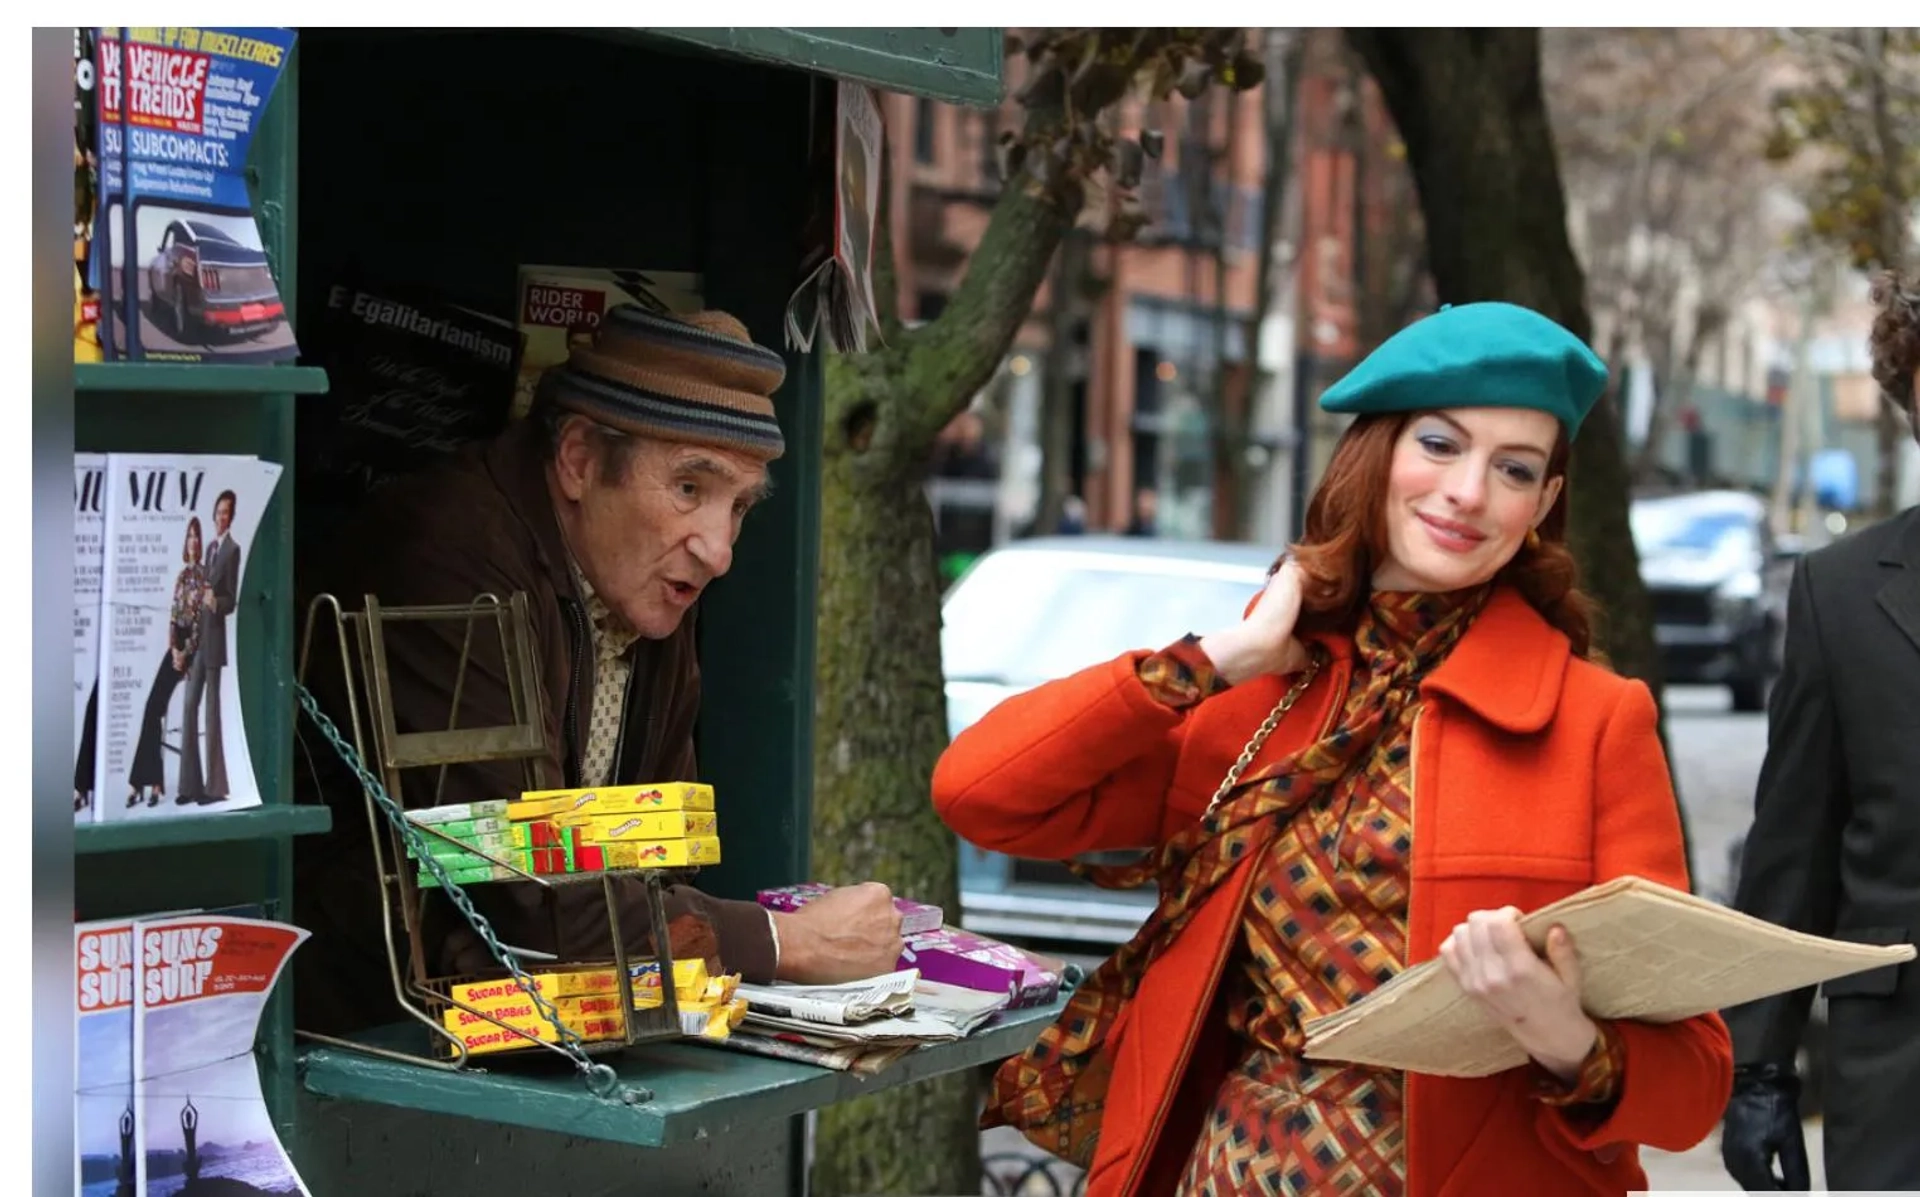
x=1326 y=923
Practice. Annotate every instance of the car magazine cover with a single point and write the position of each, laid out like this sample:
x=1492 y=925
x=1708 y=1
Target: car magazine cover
x=89 y=556
x=184 y=274
x=561 y=306
x=410 y=380
x=202 y=1126
x=178 y=538
x=103 y=1111
x=86 y=194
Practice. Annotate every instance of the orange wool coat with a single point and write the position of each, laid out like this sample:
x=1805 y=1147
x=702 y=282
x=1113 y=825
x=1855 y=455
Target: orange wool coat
x=1535 y=775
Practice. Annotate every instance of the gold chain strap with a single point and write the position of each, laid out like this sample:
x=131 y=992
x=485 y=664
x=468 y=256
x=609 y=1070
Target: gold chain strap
x=1272 y=721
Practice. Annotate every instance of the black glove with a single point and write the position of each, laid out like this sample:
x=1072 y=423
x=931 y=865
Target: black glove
x=1762 y=1124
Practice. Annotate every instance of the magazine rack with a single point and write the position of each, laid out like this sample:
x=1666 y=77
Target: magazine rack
x=361 y=638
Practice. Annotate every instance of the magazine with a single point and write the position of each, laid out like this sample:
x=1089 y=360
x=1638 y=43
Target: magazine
x=184 y=275
x=410 y=380
x=203 y=982
x=178 y=535
x=837 y=275
x=103 y=1111
x=89 y=538
x=561 y=306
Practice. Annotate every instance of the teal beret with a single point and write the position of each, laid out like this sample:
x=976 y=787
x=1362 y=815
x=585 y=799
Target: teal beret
x=1476 y=355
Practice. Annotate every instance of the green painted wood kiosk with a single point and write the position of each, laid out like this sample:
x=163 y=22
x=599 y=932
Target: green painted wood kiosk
x=462 y=154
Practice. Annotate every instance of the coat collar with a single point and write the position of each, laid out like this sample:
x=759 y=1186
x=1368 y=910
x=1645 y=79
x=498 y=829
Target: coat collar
x=1508 y=668
x=1904 y=550
x=1899 y=595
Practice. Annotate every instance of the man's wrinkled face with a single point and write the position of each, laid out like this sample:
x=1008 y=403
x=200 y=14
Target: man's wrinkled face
x=651 y=531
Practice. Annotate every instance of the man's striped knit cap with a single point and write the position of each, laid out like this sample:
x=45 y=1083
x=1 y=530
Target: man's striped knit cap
x=697 y=378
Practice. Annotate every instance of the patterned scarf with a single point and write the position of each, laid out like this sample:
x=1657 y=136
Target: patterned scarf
x=1055 y=1092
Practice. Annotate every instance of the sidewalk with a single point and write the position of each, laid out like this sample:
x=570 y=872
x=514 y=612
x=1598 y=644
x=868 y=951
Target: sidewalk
x=1699 y=1170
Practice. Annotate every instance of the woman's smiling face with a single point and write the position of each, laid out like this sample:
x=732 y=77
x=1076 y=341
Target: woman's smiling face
x=1466 y=486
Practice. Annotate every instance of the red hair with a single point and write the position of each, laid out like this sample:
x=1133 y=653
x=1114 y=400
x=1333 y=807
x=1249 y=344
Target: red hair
x=1346 y=540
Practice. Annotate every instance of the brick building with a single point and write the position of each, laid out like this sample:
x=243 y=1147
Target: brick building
x=1155 y=324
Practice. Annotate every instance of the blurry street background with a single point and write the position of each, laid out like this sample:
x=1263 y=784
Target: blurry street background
x=1113 y=412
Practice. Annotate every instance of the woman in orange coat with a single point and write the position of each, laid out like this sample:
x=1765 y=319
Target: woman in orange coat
x=1401 y=747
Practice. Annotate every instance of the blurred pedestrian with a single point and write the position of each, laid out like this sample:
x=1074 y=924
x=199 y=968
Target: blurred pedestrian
x=1073 y=517
x=1146 y=513
x=1835 y=844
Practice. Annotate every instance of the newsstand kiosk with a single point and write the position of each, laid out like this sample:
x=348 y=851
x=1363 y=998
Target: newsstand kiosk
x=457 y=156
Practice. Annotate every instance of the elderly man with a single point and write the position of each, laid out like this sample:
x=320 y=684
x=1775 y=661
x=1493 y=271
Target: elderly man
x=1835 y=844
x=612 y=507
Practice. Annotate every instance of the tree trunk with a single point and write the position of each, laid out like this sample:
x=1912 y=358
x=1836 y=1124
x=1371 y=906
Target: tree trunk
x=1056 y=384
x=879 y=697
x=1225 y=418
x=1470 y=107
x=880 y=715
x=879 y=694
x=1285 y=53
x=1891 y=247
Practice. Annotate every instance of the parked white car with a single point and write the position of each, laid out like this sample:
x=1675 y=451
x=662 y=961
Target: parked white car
x=1034 y=610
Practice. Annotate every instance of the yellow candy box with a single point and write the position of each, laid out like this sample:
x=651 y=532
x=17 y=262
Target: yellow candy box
x=661 y=854
x=657 y=825
x=613 y=800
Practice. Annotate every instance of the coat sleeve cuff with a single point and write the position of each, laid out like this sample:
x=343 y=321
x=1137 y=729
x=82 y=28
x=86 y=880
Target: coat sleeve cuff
x=1598 y=1082
x=747 y=944
x=1180 y=675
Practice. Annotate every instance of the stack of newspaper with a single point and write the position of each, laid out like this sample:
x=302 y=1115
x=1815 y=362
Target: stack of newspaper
x=1647 y=952
x=861 y=1026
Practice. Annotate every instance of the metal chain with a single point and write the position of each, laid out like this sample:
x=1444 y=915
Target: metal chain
x=1272 y=721
x=601 y=1080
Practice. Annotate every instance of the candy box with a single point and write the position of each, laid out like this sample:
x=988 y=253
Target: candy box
x=661 y=854
x=467 y=829
x=460 y=812
x=482 y=995
x=915 y=917
x=616 y=800
x=542 y=833
x=483 y=1036
x=497 y=845
x=975 y=962
x=473 y=874
x=640 y=825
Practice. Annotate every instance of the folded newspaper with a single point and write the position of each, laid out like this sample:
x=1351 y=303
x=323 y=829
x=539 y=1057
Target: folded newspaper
x=1647 y=952
x=840 y=1005
x=862 y=1026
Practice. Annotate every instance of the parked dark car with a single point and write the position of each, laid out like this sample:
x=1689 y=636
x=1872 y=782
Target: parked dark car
x=1034 y=610
x=1717 y=580
x=204 y=282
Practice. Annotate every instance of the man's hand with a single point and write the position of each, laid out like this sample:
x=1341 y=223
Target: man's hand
x=845 y=934
x=1762 y=1124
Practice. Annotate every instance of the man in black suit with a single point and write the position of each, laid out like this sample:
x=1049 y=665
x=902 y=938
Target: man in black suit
x=222 y=564
x=1835 y=844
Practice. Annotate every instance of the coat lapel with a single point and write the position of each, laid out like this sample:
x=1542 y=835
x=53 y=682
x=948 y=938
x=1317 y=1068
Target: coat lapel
x=1899 y=596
